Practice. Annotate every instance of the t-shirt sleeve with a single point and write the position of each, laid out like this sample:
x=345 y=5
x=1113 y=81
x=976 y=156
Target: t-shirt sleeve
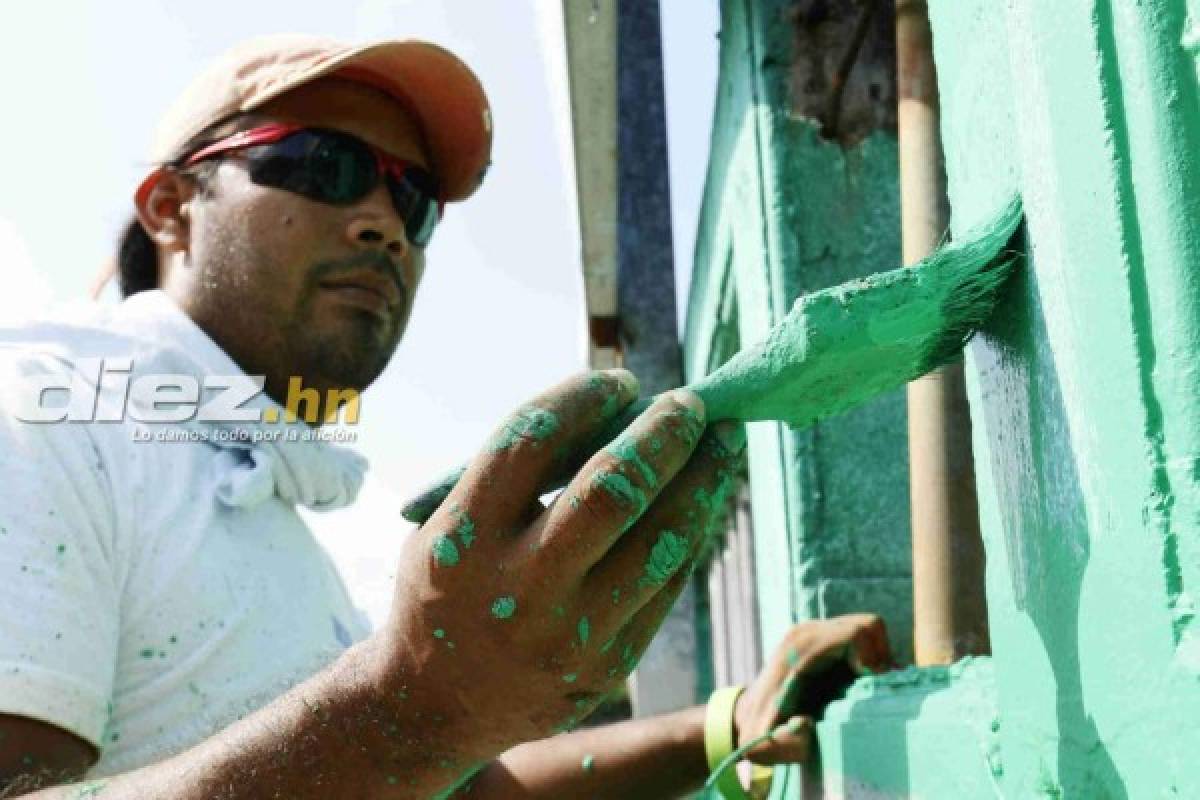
x=59 y=594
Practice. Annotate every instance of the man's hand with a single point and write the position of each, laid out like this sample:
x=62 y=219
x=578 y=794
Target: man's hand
x=814 y=664
x=513 y=620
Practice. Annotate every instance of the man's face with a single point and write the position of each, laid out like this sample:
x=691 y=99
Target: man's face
x=278 y=279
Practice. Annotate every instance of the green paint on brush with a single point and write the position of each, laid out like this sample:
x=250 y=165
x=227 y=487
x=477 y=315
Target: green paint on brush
x=666 y=556
x=584 y=629
x=842 y=346
x=445 y=551
x=529 y=424
x=504 y=607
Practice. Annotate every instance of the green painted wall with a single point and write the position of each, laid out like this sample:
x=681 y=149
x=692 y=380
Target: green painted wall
x=785 y=212
x=1084 y=393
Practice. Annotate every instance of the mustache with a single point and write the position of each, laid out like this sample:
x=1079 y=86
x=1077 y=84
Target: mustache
x=372 y=261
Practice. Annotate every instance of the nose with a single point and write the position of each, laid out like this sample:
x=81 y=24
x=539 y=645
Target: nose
x=374 y=223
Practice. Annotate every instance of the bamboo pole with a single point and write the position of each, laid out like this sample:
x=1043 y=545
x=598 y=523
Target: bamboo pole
x=949 y=605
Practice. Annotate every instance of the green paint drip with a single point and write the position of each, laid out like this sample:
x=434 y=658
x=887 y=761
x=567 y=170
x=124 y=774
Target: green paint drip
x=445 y=551
x=504 y=607
x=668 y=553
x=585 y=630
x=530 y=424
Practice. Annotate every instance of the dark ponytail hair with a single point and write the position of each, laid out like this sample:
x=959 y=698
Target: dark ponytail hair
x=137 y=255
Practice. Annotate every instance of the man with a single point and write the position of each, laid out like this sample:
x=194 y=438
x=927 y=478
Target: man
x=175 y=631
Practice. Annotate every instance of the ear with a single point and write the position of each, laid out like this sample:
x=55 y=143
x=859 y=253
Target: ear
x=163 y=205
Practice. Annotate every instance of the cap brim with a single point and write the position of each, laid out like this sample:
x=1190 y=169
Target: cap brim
x=436 y=87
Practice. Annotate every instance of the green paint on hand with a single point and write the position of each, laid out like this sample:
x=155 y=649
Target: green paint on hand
x=585 y=630
x=588 y=763
x=504 y=607
x=625 y=449
x=616 y=596
x=665 y=557
x=445 y=551
x=575 y=501
x=530 y=424
x=619 y=487
x=90 y=789
x=465 y=529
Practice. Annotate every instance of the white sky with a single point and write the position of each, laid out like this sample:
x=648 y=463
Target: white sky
x=500 y=315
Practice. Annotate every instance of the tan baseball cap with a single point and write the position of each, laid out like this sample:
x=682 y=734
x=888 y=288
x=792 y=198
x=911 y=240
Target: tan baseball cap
x=431 y=82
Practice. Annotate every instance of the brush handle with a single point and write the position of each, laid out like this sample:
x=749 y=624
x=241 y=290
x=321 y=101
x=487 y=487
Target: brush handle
x=421 y=508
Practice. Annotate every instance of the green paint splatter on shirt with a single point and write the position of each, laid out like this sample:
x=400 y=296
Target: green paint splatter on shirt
x=439 y=633
x=665 y=557
x=588 y=763
x=585 y=630
x=616 y=596
x=570 y=677
x=445 y=551
x=534 y=424
x=147 y=653
x=504 y=607
x=559 y=611
x=62 y=548
x=604 y=648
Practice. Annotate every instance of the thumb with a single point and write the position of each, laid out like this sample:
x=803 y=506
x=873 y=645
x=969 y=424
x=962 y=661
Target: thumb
x=790 y=743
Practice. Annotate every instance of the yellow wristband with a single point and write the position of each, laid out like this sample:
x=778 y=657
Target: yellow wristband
x=718 y=739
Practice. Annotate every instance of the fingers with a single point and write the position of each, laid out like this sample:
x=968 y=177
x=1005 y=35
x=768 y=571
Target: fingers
x=790 y=743
x=515 y=465
x=619 y=483
x=667 y=538
x=869 y=649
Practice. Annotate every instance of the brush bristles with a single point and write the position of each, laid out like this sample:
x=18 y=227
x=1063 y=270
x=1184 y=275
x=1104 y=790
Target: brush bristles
x=975 y=271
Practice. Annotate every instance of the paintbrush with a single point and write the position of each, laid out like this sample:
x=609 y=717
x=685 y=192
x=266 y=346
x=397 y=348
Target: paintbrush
x=842 y=346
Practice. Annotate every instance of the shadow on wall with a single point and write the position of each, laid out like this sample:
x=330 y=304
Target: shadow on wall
x=1044 y=521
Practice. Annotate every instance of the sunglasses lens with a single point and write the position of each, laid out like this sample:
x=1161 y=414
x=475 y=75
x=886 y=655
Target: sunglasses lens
x=415 y=198
x=320 y=165
x=332 y=167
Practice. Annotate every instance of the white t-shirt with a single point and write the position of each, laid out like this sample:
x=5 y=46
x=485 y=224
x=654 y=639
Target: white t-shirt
x=153 y=592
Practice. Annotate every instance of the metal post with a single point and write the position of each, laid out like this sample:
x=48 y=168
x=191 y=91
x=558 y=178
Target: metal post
x=949 y=605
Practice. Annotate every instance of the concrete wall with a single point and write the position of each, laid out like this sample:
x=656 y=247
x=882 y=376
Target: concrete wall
x=1084 y=392
x=796 y=201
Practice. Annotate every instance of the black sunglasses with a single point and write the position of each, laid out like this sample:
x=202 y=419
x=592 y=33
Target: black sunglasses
x=334 y=167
